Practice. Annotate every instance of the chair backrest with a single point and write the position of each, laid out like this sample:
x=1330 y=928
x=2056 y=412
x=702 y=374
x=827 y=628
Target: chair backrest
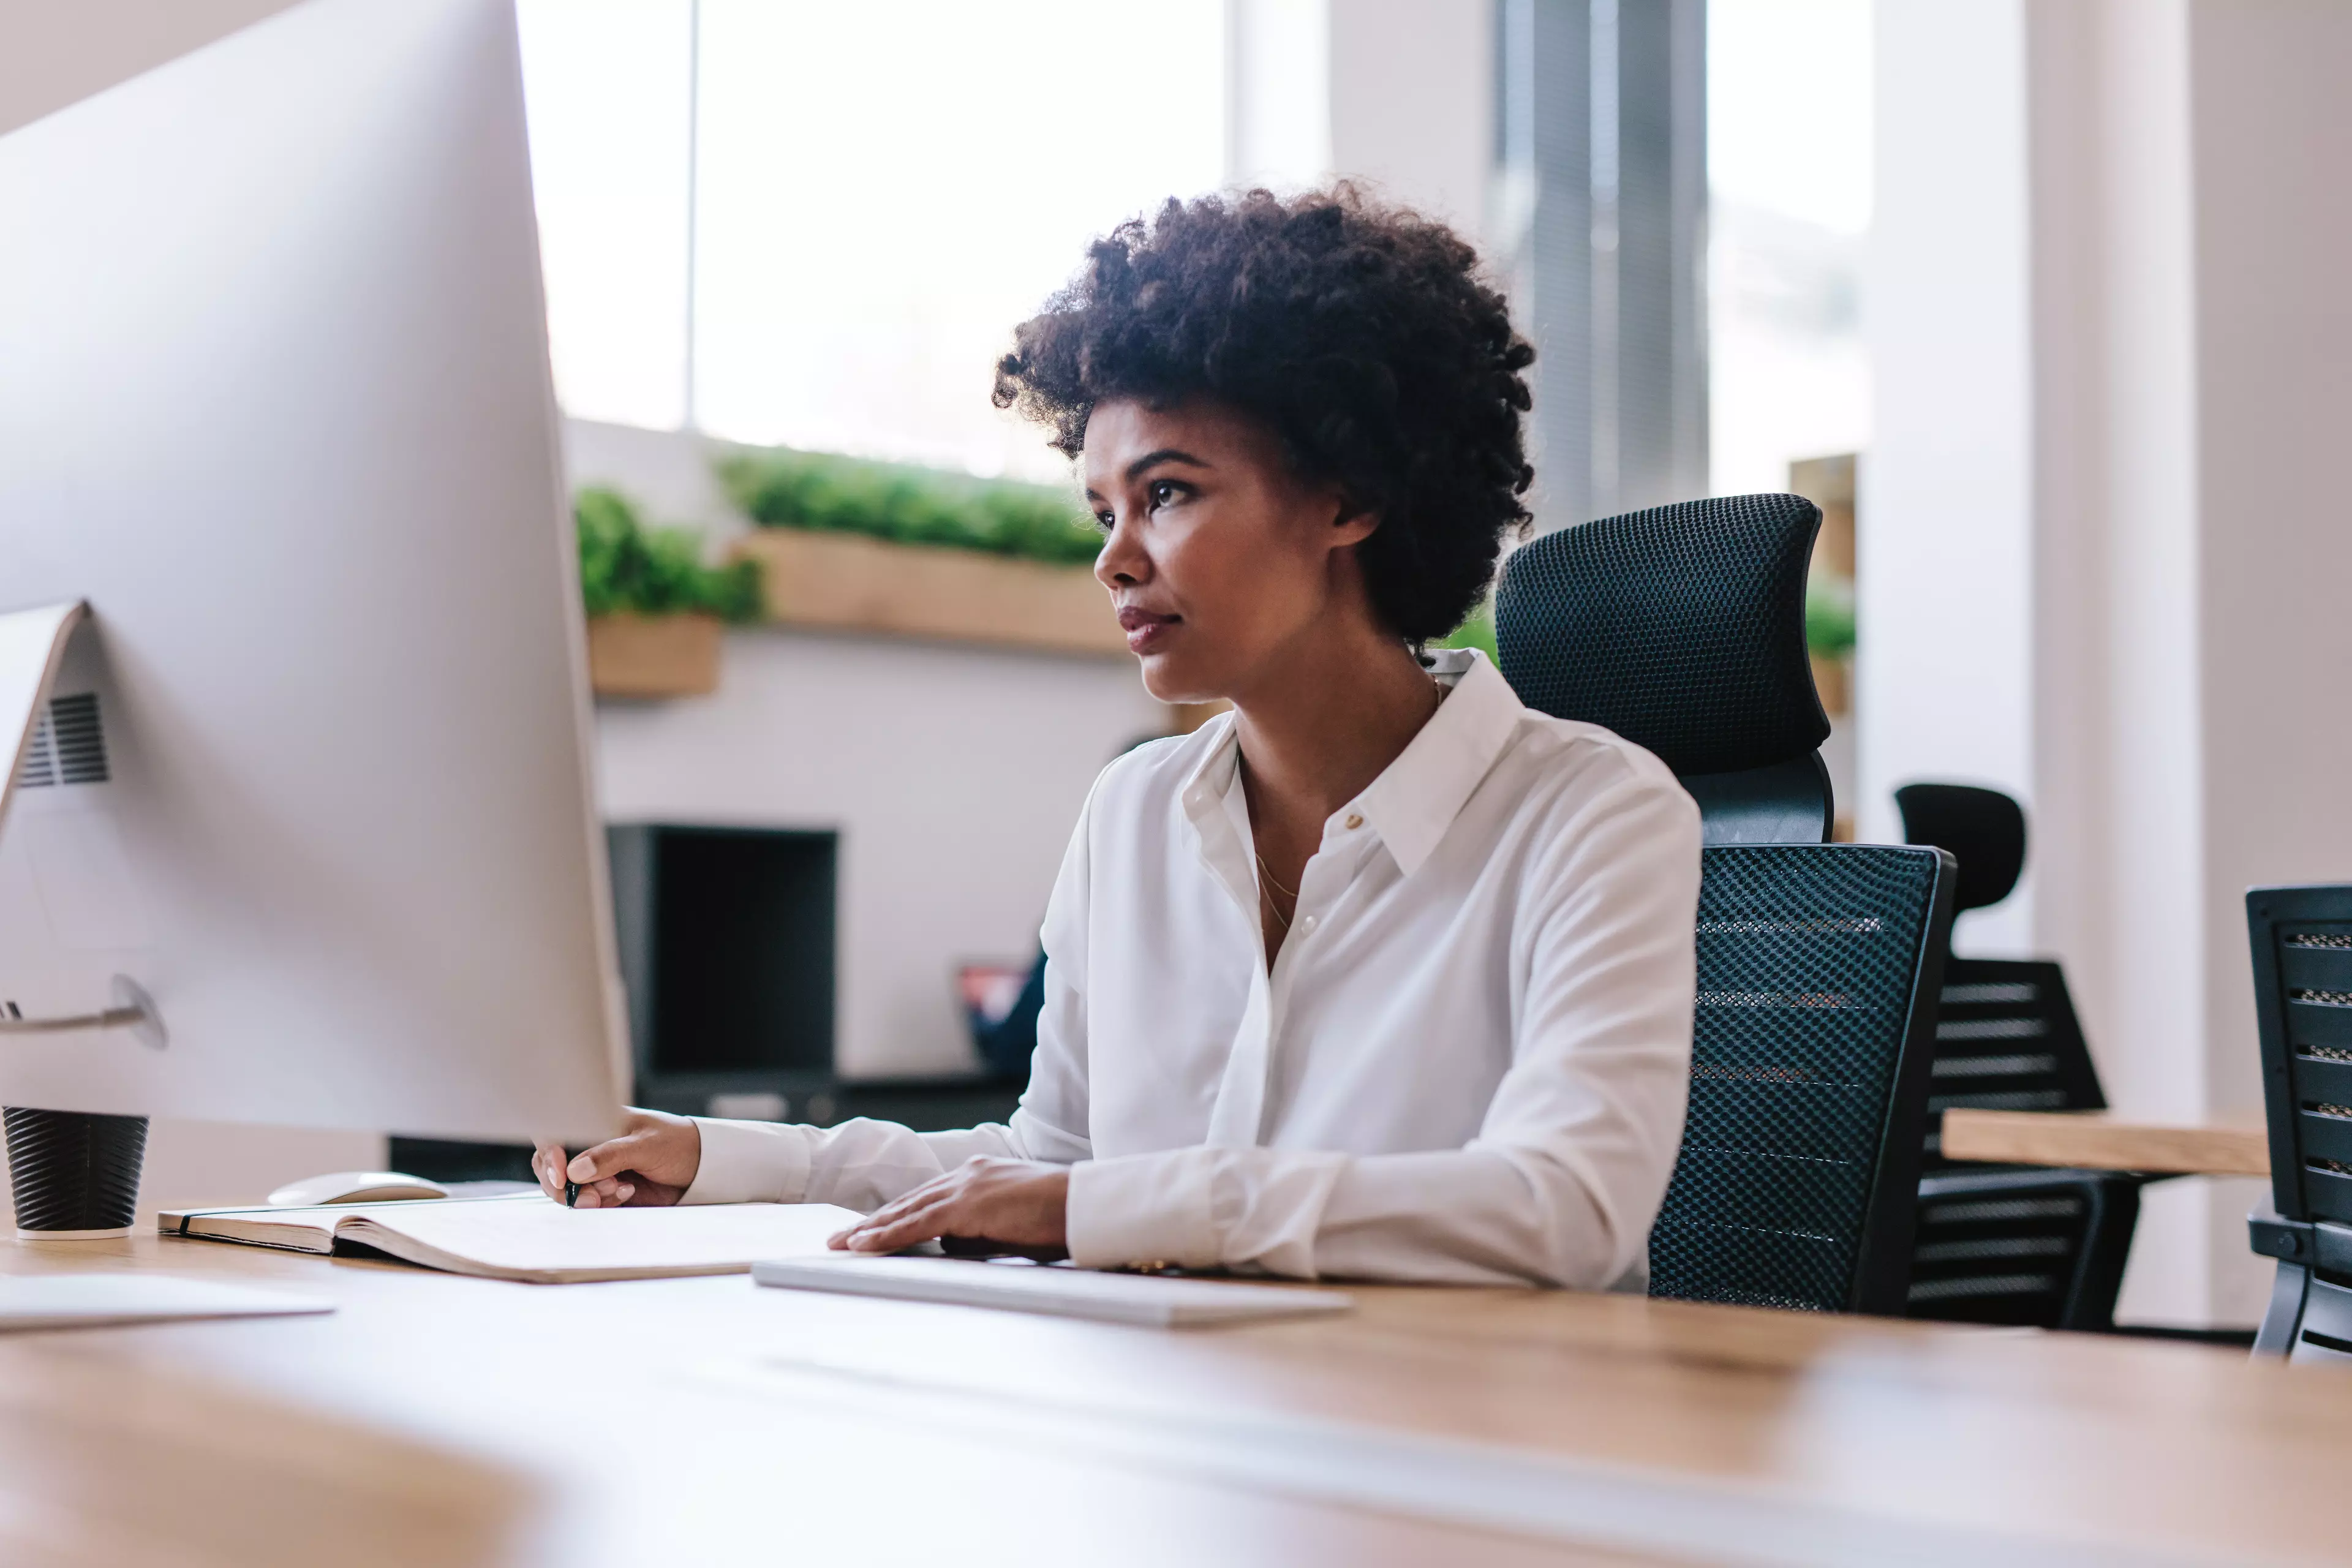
x=2007 y=1038
x=1983 y=828
x=1817 y=966
x=2024 y=1245
x=1682 y=629
x=2302 y=942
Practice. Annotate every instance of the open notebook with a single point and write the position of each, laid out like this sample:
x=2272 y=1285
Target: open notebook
x=528 y=1238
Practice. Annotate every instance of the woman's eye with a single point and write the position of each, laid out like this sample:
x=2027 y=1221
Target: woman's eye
x=1106 y=520
x=1163 y=492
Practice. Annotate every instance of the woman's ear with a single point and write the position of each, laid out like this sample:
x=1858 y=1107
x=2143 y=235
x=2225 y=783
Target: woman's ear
x=1352 y=522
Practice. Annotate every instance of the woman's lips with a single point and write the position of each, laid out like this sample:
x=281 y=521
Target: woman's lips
x=1144 y=629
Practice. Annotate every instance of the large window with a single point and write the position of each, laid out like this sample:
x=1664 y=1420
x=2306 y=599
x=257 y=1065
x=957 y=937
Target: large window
x=1789 y=155
x=878 y=193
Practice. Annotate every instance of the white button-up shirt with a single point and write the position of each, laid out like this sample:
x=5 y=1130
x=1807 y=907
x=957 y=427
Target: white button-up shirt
x=1468 y=1063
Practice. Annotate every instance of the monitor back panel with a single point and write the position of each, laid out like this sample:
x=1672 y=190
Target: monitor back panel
x=277 y=406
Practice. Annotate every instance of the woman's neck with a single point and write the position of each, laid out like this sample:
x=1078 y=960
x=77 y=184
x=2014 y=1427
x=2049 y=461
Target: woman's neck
x=1328 y=723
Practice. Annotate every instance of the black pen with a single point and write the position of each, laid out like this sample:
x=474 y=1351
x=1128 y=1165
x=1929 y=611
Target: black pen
x=570 y=1187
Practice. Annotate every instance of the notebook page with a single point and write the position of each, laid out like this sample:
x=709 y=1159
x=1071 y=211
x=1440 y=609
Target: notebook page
x=537 y=1238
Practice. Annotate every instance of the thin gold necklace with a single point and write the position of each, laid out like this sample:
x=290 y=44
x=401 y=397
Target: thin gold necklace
x=1266 y=872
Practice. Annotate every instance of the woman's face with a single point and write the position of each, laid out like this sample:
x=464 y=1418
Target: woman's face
x=1219 y=559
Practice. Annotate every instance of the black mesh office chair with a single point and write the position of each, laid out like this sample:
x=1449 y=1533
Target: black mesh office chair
x=1682 y=629
x=2302 y=942
x=2021 y=1245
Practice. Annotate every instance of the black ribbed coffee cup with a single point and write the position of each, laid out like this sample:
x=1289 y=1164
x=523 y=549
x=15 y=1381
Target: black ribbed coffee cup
x=74 y=1175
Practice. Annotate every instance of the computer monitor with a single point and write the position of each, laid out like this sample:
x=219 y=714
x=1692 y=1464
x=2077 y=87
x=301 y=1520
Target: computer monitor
x=310 y=783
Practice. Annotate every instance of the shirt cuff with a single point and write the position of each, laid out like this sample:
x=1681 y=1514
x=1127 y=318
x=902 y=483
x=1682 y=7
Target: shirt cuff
x=750 y=1163
x=1142 y=1208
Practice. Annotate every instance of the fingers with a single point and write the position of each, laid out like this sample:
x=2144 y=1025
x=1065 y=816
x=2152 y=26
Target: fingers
x=606 y=1158
x=908 y=1229
x=1022 y=1204
x=547 y=1165
x=666 y=1149
x=929 y=1193
x=606 y=1195
x=907 y=1213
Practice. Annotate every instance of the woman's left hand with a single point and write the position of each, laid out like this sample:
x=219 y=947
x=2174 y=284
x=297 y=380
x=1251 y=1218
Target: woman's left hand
x=1017 y=1204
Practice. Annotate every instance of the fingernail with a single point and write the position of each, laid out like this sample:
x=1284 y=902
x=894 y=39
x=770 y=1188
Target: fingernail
x=582 y=1169
x=624 y=1191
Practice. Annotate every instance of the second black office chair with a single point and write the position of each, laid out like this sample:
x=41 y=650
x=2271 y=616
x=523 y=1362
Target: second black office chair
x=2302 y=942
x=2018 y=1245
x=1682 y=629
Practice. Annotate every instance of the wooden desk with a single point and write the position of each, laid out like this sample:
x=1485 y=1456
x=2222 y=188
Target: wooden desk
x=708 y=1422
x=2099 y=1140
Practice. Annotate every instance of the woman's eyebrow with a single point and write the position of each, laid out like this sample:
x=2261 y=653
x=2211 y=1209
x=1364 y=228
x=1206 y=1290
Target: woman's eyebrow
x=1164 y=455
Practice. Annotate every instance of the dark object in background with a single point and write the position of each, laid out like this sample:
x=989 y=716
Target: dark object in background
x=1009 y=1038
x=2301 y=940
x=2021 y=1245
x=1983 y=828
x=74 y=1172
x=1682 y=629
x=728 y=954
x=727 y=951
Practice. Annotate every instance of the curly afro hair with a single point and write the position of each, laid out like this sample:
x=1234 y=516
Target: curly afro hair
x=1364 y=336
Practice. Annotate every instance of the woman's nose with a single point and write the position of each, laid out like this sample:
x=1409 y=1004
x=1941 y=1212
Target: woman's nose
x=1122 y=561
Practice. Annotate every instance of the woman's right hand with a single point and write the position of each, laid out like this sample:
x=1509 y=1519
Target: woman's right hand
x=651 y=1163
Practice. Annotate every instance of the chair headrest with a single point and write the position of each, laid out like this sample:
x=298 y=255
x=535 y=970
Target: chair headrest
x=1983 y=828
x=1682 y=629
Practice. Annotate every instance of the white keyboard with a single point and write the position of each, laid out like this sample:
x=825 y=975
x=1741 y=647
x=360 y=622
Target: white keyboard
x=1152 y=1300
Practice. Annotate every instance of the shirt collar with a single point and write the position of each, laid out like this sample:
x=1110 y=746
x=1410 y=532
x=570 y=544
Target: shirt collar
x=1417 y=796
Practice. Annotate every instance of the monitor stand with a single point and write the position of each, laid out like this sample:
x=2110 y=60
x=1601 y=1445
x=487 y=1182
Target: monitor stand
x=74 y=1175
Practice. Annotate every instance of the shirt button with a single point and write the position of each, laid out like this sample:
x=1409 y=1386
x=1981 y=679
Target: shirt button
x=1355 y=820
x=1307 y=925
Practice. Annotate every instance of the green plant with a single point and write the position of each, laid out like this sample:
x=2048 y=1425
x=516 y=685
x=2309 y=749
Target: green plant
x=625 y=566
x=1477 y=632
x=1828 y=614
x=828 y=493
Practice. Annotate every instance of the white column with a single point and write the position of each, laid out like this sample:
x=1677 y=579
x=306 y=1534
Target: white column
x=1944 y=565
x=2104 y=561
x=2117 y=718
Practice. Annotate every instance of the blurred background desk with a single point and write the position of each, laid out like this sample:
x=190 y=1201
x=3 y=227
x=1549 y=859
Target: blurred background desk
x=2102 y=1140
x=701 y=1421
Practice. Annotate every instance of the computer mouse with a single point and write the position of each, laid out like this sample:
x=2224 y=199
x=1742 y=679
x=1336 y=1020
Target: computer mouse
x=355 y=1187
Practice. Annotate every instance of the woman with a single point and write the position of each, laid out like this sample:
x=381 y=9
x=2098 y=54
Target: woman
x=1380 y=974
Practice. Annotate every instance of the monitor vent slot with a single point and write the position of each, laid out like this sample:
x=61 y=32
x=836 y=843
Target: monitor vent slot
x=69 y=745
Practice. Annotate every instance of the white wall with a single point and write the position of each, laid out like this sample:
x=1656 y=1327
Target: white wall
x=953 y=775
x=2103 y=559
x=2271 y=123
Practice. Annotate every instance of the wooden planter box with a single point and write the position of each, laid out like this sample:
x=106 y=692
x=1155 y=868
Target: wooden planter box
x=842 y=582
x=654 y=656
